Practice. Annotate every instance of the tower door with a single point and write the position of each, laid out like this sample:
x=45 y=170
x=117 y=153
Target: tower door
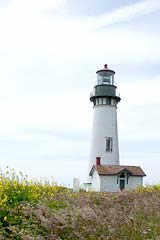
x=122 y=184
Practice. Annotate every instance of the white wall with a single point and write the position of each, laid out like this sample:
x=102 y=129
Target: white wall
x=104 y=125
x=95 y=182
x=76 y=184
x=134 y=182
x=108 y=184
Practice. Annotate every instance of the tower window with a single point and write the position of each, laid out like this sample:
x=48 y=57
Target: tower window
x=104 y=101
x=100 y=100
x=109 y=144
x=108 y=101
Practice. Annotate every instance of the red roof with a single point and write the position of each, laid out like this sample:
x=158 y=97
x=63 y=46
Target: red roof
x=105 y=69
x=116 y=169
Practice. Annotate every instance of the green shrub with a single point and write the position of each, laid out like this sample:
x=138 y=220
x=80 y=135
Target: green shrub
x=31 y=209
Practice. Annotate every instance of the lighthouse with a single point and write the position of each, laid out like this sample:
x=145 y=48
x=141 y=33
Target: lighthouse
x=104 y=143
x=105 y=172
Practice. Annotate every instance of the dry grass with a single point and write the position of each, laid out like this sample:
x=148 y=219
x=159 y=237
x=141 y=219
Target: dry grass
x=38 y=210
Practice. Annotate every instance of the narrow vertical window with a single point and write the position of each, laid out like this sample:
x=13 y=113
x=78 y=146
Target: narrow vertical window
x=108 y=101
x=109 y=144
x=100 y=101
x=112 y=102
x=104 y=101
x=97 y=101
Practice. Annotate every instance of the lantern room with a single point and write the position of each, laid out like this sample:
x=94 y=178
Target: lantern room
x=105 y=76
x=104 y=91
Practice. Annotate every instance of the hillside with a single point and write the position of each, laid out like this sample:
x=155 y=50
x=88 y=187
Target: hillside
x=38 y=210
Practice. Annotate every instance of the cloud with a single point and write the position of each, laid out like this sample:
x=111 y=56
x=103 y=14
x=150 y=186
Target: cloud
x=61 y=37
x=140 y=92
x=26 y=24
x=49 y=61
x=45 y=111
x=138 y=112
x=32 y=6
x=125 y=13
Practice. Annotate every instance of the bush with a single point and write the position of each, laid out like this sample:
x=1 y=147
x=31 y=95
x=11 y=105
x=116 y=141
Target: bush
x=31 y=209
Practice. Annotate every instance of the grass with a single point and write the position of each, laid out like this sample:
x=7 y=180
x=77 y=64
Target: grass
x=38 y=210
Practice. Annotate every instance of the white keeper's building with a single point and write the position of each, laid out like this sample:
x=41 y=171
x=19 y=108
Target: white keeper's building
x=105 y=173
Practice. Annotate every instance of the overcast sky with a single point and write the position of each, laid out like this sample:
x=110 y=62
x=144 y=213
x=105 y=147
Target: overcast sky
x=49 y=53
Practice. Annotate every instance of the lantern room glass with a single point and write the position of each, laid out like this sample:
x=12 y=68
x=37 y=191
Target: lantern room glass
x=105 y=78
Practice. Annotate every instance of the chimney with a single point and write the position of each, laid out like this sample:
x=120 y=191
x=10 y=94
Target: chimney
x=98 y=161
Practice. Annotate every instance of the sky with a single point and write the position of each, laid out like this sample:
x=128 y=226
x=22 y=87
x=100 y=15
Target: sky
x=50 y=51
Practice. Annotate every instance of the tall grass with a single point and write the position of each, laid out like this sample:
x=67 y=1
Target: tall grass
x=31 y=209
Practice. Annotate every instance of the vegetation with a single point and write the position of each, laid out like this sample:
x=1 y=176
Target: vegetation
x=31 y=209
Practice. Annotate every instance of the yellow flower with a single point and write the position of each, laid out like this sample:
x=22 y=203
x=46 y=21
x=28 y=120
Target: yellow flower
x=5 y=218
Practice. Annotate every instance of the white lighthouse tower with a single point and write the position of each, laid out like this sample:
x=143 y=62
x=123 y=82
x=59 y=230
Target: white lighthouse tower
x=105 y=171
x=104 y=132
